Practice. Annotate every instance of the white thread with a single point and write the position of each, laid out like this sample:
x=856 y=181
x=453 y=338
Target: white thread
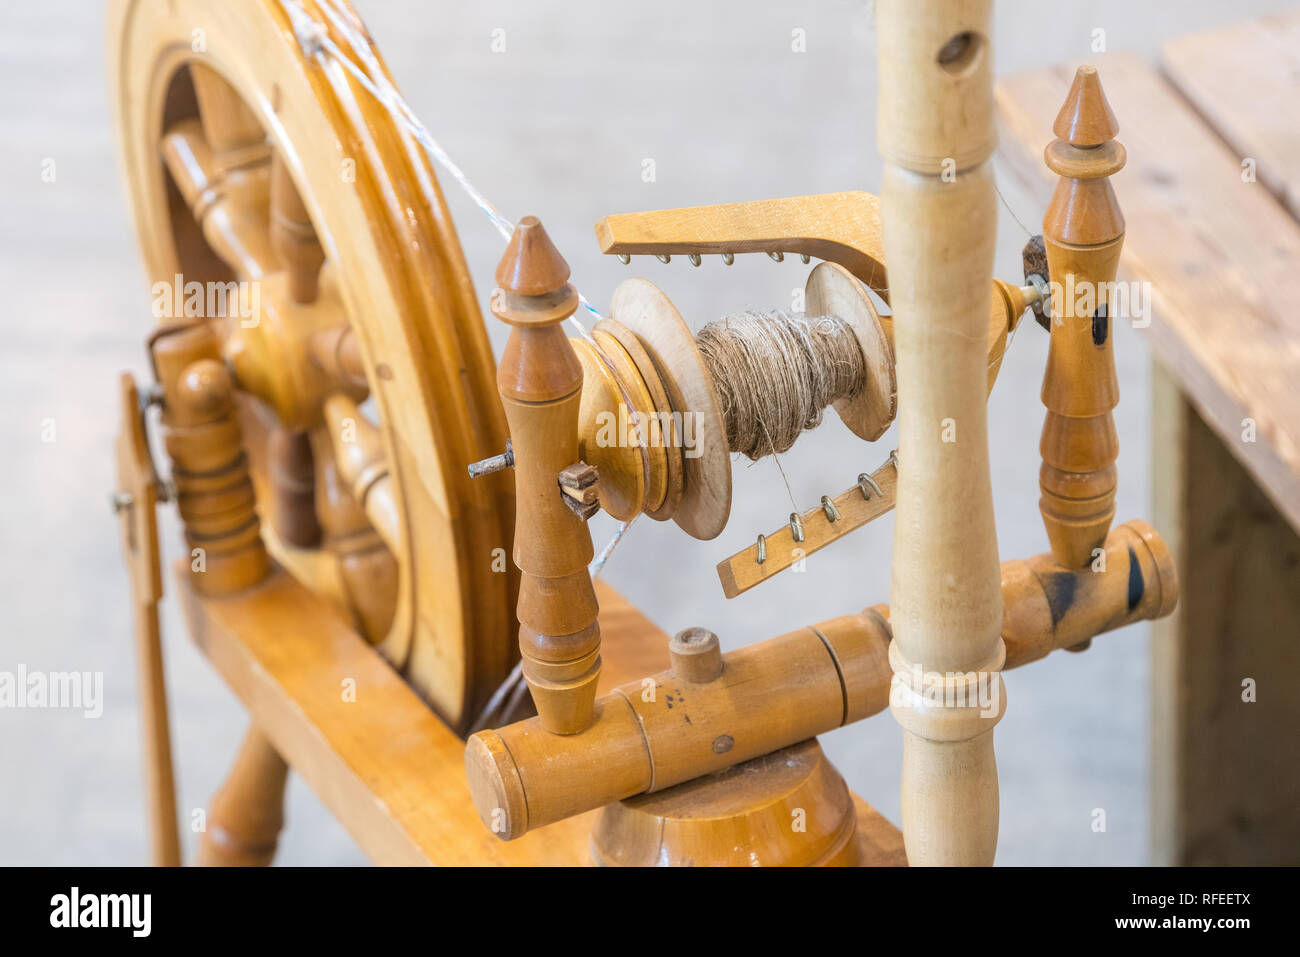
x=315 y=42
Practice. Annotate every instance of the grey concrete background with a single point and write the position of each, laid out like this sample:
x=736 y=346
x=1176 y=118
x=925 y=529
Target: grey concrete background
x=557 y=126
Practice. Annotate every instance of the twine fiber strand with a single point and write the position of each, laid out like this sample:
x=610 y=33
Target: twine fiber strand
x=775 y=374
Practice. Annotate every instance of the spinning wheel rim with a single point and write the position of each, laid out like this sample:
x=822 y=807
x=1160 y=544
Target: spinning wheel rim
x=407 y=294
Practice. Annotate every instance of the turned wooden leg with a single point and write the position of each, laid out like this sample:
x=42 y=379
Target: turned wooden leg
x=247 y=814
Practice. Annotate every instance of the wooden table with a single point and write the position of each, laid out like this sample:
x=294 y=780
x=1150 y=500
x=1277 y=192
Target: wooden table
x=1211 y=194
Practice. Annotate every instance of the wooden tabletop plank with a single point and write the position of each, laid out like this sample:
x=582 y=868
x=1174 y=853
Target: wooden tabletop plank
x=1244 y=80
x=383 y=764
x=1220 y=255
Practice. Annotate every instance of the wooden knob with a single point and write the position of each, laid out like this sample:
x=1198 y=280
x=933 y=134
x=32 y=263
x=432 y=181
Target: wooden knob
x=204 y=391
x=696 y=655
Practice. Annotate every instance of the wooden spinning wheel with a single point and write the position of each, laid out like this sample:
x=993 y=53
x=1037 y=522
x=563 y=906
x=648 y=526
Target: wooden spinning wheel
x=324 y=379
x=248 y=163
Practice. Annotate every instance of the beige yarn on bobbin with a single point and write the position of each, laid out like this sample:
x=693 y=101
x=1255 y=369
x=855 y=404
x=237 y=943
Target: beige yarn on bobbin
x=775 y=374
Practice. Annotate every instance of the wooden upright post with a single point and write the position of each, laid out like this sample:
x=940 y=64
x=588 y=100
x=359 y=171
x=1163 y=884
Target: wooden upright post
x=215 y=496
x=540 y=381
x=209 y=465
x=939 y=215
x=1083 y=230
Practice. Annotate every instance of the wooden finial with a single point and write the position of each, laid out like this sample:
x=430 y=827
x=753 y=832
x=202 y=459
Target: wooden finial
x=540 y=381
x=1086 y=118
x=1083 y=231
x=531 y=265
x=1084 y=210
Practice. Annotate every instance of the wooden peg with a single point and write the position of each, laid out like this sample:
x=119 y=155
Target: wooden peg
x=696 y=655
x=540 y=381
x=1083 y=231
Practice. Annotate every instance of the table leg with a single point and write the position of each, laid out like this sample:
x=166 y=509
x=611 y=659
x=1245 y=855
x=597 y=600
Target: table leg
x=1226 y=665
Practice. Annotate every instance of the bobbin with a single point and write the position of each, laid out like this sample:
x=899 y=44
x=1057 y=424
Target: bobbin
x=674 y=392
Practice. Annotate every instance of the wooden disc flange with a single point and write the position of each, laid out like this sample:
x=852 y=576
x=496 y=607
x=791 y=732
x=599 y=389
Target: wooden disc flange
x=613 y=395
x=789 y=808
x=643 y=308
x=665 y=482
x=832 y=290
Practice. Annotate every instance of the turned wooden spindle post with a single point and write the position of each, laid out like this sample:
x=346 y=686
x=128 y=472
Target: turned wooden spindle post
x=215 y=496
x=209 y=465
x=939 y=212
x=1083 y=230
x=289 y=451
x=540 y=381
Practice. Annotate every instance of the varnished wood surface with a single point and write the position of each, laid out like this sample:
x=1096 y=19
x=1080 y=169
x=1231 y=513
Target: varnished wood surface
x=85 y=216
x=939 y=214
x=1241 y=557
x=1220 y=255
x=739 y=818
x=1083 y=231
x=389 y=770
x=390 y=247
x=246 y=815
x=775 y=693
x=1244 y=80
